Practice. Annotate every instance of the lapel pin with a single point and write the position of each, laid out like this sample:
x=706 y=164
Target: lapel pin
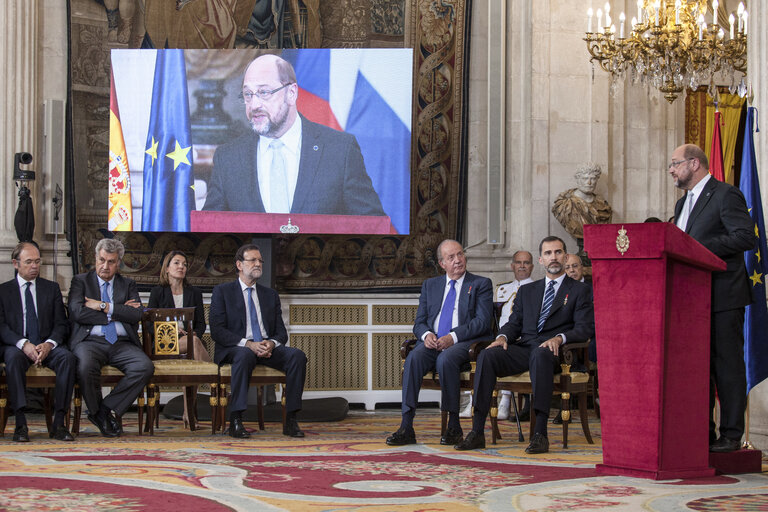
x=315 y=147
x=566 y=300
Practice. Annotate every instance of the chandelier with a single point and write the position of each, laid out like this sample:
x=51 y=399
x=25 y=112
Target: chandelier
x=669 y=45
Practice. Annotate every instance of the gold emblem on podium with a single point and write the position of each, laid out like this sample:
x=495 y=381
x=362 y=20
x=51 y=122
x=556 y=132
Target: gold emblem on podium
x=622 y=241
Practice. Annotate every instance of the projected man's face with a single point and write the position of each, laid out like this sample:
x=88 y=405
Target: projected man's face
x=271 y=108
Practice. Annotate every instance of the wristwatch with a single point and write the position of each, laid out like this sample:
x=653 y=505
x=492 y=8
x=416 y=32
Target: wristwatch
x=103 y=306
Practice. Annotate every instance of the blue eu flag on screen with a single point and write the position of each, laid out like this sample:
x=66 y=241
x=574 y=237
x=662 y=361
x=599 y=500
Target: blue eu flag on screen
x=756 y=320
x=168 y=177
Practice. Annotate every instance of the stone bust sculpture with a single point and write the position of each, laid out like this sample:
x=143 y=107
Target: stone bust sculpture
x=581 y=205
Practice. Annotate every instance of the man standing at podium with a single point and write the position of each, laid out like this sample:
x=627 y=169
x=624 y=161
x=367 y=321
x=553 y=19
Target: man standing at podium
x=715 y=214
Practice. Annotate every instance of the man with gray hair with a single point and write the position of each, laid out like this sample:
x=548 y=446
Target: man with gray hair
x=105 y=310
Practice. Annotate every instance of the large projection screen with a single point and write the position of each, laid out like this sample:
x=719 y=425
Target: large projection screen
x=185 y=154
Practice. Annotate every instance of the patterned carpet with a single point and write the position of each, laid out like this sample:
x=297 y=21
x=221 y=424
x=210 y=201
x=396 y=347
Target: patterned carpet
x=338 y=466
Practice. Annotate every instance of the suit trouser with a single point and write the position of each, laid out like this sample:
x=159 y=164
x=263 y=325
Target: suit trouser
x=727 y=373
x=95 y=352
x=290 y=360
x=422 y=360
x=60 y=360
x=518 y=358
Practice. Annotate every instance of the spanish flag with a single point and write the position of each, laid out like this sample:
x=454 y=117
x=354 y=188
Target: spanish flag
x=120 y=216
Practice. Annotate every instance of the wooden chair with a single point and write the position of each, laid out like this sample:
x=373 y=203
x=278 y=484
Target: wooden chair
x=160 y=336
x=261 y=376
x=567 y=383
x=37 y=377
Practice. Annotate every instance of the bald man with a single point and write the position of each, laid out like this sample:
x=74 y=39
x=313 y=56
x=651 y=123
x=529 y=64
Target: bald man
x=287 y=164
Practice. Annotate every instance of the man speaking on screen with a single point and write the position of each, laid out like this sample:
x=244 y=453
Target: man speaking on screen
x=287 y=164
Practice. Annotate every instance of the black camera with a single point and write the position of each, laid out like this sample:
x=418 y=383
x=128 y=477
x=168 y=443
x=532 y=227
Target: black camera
x=19 y=174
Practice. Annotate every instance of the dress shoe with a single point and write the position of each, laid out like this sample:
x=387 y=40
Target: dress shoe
x=402 y=437
x=473 y=441
x=237 y=430
x=61 y=434
x=725 y=444
x=452 y=437
x=117 y=428
x=291 y=428
x=539 y=444
x=102 y=423
x=558 y=420
x=21 y=434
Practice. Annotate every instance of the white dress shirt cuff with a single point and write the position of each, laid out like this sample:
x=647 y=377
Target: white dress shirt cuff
x=20 y=343
x=453 y=335
x=52 y=343
x=563 y=336
x=242 y=342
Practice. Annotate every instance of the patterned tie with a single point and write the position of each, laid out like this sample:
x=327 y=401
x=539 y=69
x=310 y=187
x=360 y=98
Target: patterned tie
x=446 y=314
x=109 y=330
x=278 y=184
x=33 y=329
x=254 y=316
x=549 y=298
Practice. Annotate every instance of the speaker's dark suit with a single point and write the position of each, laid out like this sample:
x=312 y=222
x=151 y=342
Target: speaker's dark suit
x=571 y=314
x=332 y=178
x=162 y=297
x=52 y=324
x=93 y=351
x=720 y=222
x=228 y=328
x=475 y=317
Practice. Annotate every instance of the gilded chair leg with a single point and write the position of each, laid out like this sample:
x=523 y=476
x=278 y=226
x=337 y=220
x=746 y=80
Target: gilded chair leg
x=565 y=414
x=443 y=422
x=77 y=398
x=260 y=405
x=213 y=401
x=584 y=417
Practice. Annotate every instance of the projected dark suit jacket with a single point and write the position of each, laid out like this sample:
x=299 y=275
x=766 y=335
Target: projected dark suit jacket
x=332 y=178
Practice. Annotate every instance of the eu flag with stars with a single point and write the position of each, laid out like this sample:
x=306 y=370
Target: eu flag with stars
x=168 y=194
x=756 y=319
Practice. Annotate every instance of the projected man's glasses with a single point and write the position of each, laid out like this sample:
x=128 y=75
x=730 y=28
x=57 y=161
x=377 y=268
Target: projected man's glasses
x=263 y=95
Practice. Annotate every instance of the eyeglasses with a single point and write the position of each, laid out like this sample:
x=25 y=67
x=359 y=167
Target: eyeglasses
x=254 y=261
x=676 y=163
x=263 y=95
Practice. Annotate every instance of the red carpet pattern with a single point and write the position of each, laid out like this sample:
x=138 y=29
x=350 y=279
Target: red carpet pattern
x=338 y=466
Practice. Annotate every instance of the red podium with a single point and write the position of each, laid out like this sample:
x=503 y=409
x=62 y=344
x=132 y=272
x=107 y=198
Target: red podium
x=303 y=223
x=652 y=305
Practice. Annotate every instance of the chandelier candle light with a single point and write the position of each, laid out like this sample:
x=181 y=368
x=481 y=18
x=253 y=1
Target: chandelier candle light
x=670 y=45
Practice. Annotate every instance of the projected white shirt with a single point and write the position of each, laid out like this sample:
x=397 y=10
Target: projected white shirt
x=291 y=153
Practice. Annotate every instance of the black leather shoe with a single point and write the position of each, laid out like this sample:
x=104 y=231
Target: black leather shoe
x=452 y=437
x=61 y=434
x=103 y=424
x=724 y=445
x=21 y=434
x=117 y=428
x=539 y=444
x=558 y=420
x=402 y=437
x=237 y=430
x=473 y=441
x=291 y=428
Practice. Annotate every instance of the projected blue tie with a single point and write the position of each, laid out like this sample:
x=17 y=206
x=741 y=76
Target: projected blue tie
x=110 y=331
x=446 y=314
x=254 y=316
x=33 y=330
x=549 y=298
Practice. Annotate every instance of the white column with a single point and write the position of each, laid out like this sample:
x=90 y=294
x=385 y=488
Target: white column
x=18 y=104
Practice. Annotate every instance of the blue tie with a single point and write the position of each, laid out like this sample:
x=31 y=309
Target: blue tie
x=33 y=330
x=446 y=314
x=255 y=329
x=549 y=298
x=109 y=330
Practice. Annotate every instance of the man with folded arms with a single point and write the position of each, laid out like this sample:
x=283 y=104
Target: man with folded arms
x=34 y=328
x=546 y=314
x=105 y=310
x=454 y=311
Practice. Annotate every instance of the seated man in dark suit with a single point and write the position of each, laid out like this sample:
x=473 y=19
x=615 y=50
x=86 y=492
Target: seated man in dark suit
x=454 y=310
x=546 y=314
x=248 y=330
x=105 y=310
x=34 y=329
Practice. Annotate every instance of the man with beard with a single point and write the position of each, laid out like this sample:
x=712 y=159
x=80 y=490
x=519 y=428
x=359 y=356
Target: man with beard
x=546 y=314
x=715 y=214
x=454 y=311
x=287 y=164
